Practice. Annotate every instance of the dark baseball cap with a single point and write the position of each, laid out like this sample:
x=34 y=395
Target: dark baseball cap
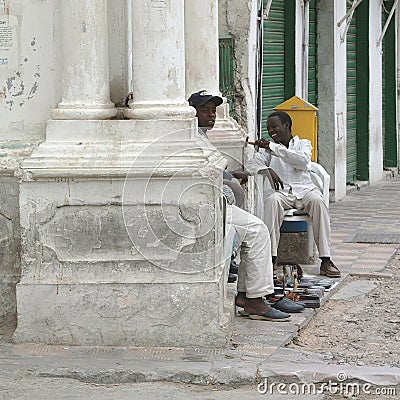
x=201 y=97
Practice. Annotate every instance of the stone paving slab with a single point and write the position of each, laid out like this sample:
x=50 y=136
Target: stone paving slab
x=311 y=367
x=362 y=237
x=68 y=389
x=354 y=289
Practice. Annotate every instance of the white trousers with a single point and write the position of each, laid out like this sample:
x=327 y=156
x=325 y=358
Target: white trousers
x=255 y=276
x=275 y=203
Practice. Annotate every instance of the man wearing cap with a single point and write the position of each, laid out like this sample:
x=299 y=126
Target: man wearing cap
x=255 y=277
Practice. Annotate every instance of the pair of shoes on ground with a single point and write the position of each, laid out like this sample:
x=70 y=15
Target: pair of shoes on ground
x=286 y=305
x=329 y=269
x=272 y=315
x=280 y=310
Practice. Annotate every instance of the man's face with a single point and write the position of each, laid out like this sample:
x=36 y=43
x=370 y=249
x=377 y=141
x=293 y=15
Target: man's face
x=279 y=131
x=206 y=115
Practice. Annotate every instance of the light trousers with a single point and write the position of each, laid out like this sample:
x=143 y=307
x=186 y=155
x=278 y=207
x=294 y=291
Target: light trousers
x=255 y=276
x=275 y=204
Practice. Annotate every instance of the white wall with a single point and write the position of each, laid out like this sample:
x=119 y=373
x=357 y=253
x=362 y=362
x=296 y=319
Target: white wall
x=397 y=16
x=118 y=50
x=30 y=85
x=298 y=49
x=238 y=18
x=332 y=95
x=375 y=94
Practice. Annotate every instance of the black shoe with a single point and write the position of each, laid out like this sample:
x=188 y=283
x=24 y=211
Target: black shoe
x=232 y=278
x=233 y=268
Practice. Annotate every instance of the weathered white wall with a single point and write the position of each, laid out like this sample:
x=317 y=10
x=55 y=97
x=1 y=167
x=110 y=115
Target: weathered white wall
x=238 y=18
x=252 y=56
x=30 y=85
x=375 y=94
x=397 y=16
x=332 y=95
x=118 y=50
x=298 y=57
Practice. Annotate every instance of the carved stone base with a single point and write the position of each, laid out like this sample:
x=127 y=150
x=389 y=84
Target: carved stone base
x=122 y=241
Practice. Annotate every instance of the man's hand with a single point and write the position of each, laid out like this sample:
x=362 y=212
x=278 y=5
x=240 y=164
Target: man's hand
x=273 y=177
x=263 y=143
x=242 y=176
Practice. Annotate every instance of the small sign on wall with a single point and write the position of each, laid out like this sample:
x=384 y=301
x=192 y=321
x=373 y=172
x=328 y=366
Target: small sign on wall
x=8 y=41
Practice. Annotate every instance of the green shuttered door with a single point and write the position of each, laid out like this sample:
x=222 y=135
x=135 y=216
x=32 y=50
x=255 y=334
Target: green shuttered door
x=312 y=55
x=278 y=57
x=351 y=102
x=389 y=90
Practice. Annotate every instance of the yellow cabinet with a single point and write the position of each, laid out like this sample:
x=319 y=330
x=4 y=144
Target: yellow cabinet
x=304 y=120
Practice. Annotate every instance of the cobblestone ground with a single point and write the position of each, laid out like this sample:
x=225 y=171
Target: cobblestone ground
x=361 y=332
x=365 y=331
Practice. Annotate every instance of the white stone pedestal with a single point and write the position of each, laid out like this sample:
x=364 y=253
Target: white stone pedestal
x=122 y=237
x=229 y=138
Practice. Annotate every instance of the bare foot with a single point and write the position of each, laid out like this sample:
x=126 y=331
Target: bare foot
x=256 y=306
x=240 y=299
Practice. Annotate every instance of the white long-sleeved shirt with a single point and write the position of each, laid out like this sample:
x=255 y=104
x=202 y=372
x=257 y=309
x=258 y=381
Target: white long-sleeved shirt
x=292 y=164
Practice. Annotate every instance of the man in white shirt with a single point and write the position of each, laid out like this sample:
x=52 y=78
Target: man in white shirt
x=255 y=276
x=287 y=160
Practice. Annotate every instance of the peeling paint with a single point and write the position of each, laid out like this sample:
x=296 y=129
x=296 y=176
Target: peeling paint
x=9 y=82
x=83 y=26
x=21 y=90
x=33 y=90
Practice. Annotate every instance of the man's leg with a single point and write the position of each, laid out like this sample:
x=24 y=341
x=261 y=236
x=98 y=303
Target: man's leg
x=275 y=205
x=255 y=271
x=255 y=261
x=314 y=205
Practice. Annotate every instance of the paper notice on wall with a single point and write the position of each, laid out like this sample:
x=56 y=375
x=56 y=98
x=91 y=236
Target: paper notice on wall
x=8 y=41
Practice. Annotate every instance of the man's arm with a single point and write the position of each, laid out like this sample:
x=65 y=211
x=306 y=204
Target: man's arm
x=299 y=158
x=260 y=161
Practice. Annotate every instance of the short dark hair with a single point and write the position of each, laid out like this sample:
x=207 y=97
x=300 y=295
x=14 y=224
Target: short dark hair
x=284 y=117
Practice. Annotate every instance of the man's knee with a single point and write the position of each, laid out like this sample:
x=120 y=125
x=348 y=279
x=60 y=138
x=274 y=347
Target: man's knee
x=272 y=199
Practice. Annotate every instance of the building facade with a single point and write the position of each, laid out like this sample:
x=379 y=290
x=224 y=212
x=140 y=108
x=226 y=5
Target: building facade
x=86 y=176
x=341 y=56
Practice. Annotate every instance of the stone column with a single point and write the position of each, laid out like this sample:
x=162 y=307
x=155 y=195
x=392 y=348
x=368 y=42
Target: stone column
x=202 y=72
x=202 y=55
x=158 y=61
x=86 y=89
x=332 y=110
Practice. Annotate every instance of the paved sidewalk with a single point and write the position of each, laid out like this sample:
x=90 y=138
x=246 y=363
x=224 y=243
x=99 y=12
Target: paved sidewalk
x=257 y=351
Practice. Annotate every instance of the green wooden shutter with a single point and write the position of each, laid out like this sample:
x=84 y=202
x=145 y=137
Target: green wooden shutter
x=363 y=78
x=389 y=133
x=312 y=55
x=351 y=80
x=227 y=72
x=278 y=57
